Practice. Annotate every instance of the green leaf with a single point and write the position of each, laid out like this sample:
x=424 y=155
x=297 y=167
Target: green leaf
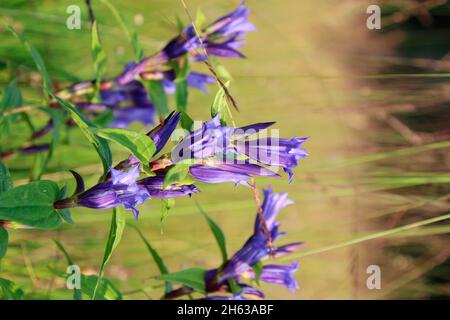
x=158 y=96
x=178 y=174
x=200 y=19
x=193 y=278
x=5 y=178
x=11 y=97
x=3 y=242
x=47 y=84
x=102 y=288
x=130 y=32
x=114 y=237
x=31 y=205
x=181 y=95
x=217 y=232
x=257 y=269
x=10 y=290
x=166 y=206
x=156 y=257
x=87 y=127
x=139 y=144
x=220 y=106
x=186 y=121
x=99 y=57
x=65 y=213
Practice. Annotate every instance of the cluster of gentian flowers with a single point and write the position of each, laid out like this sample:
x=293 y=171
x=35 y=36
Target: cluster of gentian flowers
x=208 y=150
x=214 y=153
x=240 y=266
x=127 y=96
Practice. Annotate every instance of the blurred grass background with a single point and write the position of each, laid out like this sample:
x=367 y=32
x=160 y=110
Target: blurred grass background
x=317 y=70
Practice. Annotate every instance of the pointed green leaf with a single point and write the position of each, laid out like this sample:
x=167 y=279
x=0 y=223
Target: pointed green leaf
x=158 y=96
x=156 y=257
x=178 y=174
x=193 y=278
x=139 y=144
x=217 y=232
x=87 y=127
x=220 y=106
x=114 y=237
x=31 y=205
x=200 y=19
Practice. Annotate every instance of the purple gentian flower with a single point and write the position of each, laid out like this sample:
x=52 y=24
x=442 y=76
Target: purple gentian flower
x=161 y=133
x=277 y=274
x=283 y=153
x=281 y=275
x=222 y=172
x=202 y=143
x=154 y=187
x=222 y=38
x=199 y=81
x=121 y=189
x=256 y=247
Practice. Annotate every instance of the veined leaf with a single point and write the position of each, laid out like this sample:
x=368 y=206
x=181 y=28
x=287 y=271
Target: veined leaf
x=217 y=232
x=114 y=237
x=31 y=205
x=100 y=144
x=130 y=32
x=47 y=84
x=139 y=144
x=193 y=278
x=5 y=178
x=158 y=96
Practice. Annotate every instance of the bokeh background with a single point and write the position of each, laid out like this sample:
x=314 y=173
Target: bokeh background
x=373 y=102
